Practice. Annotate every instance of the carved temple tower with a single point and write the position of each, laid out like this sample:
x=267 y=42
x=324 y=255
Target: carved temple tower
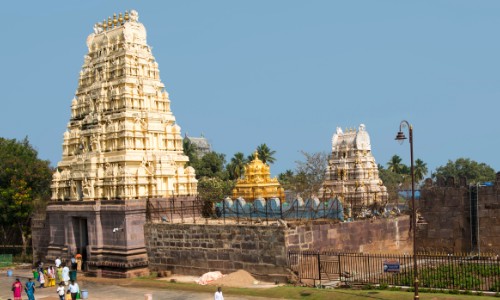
x=122 y=152
x=352 y=173
x=122 y=141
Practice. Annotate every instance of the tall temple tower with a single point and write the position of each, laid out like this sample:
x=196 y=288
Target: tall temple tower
x=122 y=141
x=352 y=173
x=122 y=155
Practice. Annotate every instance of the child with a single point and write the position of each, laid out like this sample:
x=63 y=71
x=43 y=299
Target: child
x=60 y=290
x=41 y=279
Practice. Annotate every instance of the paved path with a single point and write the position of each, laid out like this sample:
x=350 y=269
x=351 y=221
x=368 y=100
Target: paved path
x=105 y=291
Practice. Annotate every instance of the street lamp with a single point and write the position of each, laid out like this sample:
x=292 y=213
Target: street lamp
x=413 y=222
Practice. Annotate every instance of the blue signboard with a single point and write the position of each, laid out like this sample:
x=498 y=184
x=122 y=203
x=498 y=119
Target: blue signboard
x=391 y=266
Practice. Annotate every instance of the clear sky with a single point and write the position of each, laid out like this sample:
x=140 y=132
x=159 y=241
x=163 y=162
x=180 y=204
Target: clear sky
x=284 y=73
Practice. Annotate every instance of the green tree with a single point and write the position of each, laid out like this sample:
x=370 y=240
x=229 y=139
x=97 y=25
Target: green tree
x=420 y=170
x=211 y=165
x=24 y=186
x=189 y=150
x=465 y=167
x=266 y=154
x=212 y=190
x=395 y=165
x=236 y=166
x=286 y=179
x=392 y=181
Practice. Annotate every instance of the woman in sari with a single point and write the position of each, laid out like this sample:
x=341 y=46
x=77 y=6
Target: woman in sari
x=17 y=288
x=59 y=274
x=30 y=289
x=51 y=276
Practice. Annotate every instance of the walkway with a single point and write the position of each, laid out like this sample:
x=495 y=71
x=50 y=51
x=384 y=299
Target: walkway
x=105 y=290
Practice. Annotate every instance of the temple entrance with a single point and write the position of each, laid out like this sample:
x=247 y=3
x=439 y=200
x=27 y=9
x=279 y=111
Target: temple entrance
x=81 y=237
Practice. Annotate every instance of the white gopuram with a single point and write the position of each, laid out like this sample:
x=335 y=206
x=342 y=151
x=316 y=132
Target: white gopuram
x=122 y=141
x=352 y=173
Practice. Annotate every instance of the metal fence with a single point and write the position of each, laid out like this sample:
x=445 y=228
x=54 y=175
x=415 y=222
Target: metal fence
x=174 y=210
x=275 y=209
x=435 y=271
x=5 y=260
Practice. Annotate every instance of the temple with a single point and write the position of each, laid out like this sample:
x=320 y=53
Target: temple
x=352 y=173
x=122 y=141
x=122 y=157
x=257 y=182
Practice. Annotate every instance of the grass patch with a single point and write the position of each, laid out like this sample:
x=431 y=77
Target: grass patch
x=291 y=292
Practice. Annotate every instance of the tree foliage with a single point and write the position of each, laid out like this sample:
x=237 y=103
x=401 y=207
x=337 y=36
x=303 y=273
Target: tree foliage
x=420 y=169
x=392 y=181
x=236 y=166
x=465 y=167
x=210 y=165
x=394 y=165
x=308 y=176
x=266 y=154
x=212 y=190
x=189 y=150
x=286 y=179
x=24 y=186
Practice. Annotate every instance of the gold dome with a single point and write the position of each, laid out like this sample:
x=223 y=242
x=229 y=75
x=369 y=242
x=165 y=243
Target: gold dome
x=257 y=182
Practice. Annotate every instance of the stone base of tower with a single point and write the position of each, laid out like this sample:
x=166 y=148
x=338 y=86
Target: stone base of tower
x=108 y=234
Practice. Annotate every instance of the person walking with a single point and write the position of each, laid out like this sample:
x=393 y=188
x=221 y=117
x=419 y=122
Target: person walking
x=17 y=289
x=73 y=288
x=218 y=294
x=41 y=278
x=60 y=290
x=65 y=275
x=29 y=288
x=59 y=272
x=51 y=275
x=58 y=262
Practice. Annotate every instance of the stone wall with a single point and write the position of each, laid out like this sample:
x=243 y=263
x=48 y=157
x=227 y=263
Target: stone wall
x=196 y=249
x=369 y=236
x=262 y=250
x=446 y=210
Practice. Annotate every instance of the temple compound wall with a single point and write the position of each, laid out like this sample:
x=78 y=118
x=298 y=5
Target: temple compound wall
x=459 y=218
x=368 y=236
x=262 y=250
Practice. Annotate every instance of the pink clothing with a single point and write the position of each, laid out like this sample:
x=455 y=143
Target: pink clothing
x=17 y=288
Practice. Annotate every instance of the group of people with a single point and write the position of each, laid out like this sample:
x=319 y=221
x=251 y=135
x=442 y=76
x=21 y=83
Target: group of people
x=47 y=277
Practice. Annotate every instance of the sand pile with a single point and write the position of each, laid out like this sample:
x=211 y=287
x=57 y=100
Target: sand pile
x=240 y=278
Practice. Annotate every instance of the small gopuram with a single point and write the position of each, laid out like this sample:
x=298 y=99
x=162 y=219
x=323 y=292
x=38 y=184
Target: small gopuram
x=352 y=173
x=257 y=182
x=122 y=153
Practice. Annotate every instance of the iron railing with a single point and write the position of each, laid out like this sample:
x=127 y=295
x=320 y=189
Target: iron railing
x=436 y=271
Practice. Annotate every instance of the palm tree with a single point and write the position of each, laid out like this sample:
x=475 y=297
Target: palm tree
x=420 y=170
x=286 y=178
x=266 y=154
x=236 y=167
x=394 y=165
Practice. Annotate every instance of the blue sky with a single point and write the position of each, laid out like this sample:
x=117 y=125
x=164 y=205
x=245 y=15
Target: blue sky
x=284 y=73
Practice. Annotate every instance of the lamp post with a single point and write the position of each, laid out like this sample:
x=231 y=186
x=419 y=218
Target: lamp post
x=401 y=137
